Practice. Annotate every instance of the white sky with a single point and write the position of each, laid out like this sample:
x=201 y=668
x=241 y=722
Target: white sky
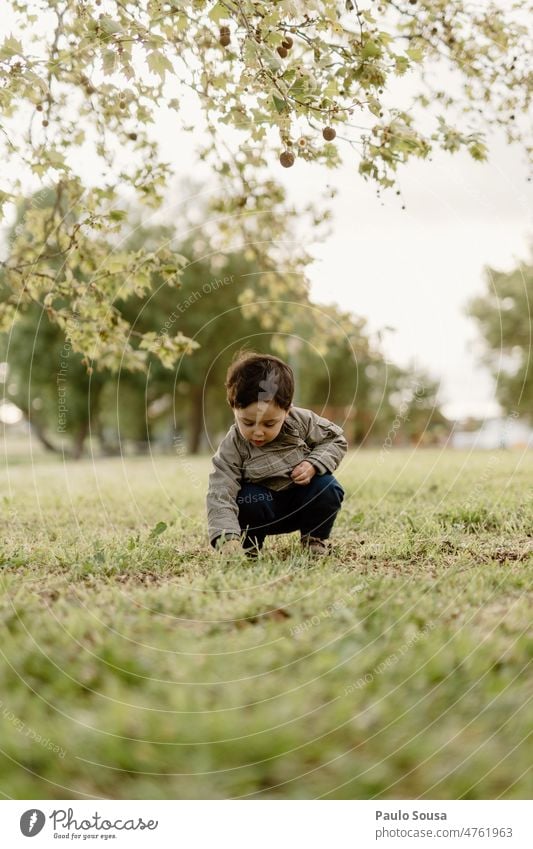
x=415 y=269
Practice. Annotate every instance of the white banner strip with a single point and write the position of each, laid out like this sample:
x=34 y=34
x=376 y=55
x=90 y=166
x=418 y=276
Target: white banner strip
x=270 y=823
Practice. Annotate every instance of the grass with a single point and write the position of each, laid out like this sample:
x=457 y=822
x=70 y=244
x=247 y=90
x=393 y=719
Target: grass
x=396 y=668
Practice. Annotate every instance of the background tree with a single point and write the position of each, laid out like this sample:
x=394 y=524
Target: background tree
x=274 y=80
x=49 y=381
x=223 y=302
x=417 y=407
x=504 y=316
x=50 y=384
x=211 y=310
x=335 y=371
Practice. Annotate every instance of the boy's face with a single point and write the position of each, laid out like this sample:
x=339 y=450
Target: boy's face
x=260 y=422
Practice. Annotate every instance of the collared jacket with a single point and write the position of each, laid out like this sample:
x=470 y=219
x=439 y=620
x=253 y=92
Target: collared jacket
x=303 y=436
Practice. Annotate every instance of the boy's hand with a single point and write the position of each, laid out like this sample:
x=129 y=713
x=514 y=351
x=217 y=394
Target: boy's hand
x=230 y=548
x=303 y=472
x=232 y=545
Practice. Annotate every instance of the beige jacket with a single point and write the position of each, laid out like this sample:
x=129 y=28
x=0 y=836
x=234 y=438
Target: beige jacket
x=303 y=436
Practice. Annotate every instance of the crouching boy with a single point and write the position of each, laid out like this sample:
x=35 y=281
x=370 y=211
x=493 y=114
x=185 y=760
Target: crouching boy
x=273 y=470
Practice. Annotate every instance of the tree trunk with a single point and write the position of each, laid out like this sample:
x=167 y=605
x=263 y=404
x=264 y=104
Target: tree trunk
x=360 y=428
x=38 y=430
x=78 y=440
x=196 y=419
x=79 y=437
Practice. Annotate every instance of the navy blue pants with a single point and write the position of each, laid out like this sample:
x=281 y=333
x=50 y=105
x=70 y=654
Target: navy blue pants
x=310 y=509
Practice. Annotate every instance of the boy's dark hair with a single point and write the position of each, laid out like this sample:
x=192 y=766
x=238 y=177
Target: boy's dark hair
x=255 y=377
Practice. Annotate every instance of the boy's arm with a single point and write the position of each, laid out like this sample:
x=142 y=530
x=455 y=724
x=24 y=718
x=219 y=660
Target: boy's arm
x=326 y=440
x=224 y=485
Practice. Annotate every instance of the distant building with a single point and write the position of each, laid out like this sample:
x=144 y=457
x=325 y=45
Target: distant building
x=493 y=433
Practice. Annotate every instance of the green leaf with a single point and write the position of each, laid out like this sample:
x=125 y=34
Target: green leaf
x=117 y=214
x=117 y=262
x=109 y=25
x=402 y=64
x=478 y=151
x=280 y=104
x=374 y=106
x=415 y=53
x=5 y=197
x=55 y=159
x=218 y=13
x=158 y=529
x=371 y=50
x=158 y=63
x=11 y=47
x=8 y=316
x=109 y=61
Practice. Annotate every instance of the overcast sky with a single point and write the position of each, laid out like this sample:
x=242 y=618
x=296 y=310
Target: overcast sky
x=415 y=269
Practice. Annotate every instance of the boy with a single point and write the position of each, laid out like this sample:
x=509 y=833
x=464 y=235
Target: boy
x=273 y=469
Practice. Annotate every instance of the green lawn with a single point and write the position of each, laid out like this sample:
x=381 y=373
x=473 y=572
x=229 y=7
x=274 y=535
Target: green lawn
x=396 y=668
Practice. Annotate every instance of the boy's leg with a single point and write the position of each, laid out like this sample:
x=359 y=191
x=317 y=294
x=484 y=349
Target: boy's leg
x=312 y=509
x=256 y=514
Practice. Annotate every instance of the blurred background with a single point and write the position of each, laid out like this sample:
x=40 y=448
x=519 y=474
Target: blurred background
x=424 y=363
x=405 y=315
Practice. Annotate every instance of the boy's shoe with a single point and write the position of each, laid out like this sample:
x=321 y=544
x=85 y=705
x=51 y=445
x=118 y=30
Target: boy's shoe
x=314 y=545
